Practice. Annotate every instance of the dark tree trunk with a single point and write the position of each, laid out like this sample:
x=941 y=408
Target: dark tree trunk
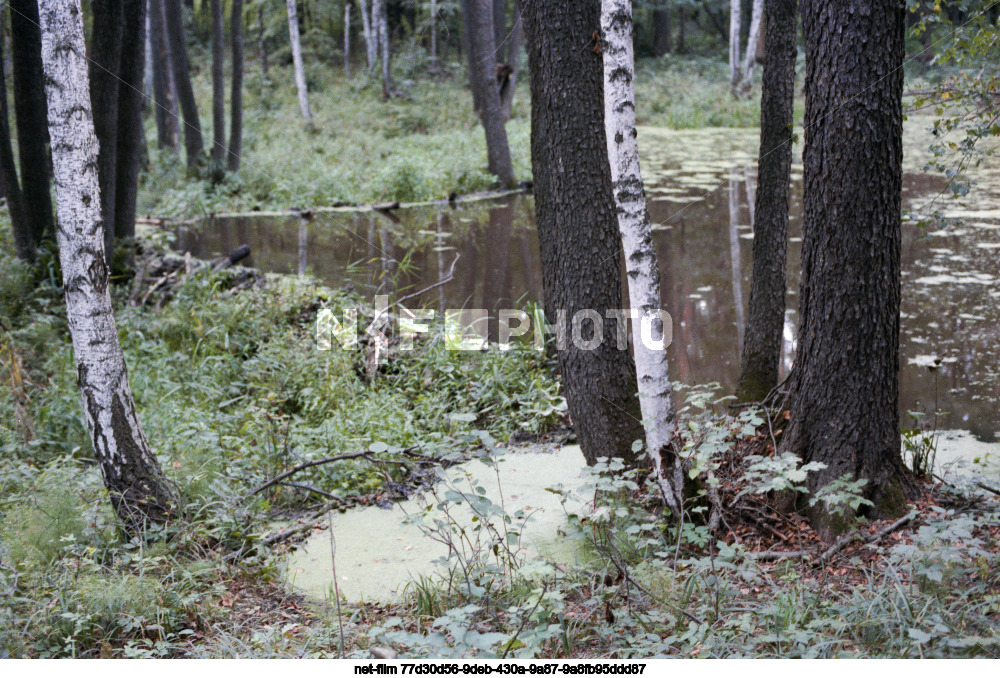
x=236 y=97
x=845 y=384
x=23 y=241
x=500 y=30
x=218 y=161
x=661 y=29
x=507 y=76
x=261 y=47
x=484 y=79
x=174 y=22
x=467 y=46
x=104 y=66
x=577 y=226
x=762 y=344
x=163 y=91
x=131 y=134
x=31 y=112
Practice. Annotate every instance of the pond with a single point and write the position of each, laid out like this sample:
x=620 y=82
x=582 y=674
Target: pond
x=701 y=186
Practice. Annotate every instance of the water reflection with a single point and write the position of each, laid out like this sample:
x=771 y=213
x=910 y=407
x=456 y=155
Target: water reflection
x=703 y=234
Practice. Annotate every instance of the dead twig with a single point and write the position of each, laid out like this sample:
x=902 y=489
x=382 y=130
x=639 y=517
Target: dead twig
x=837 y=547
x=318 y=462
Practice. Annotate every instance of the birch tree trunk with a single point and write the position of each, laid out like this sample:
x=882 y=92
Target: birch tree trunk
x=734 y=44
x=217 y=170
x=750 y=58
x=236 y=95
x=577 y=246
x=380 y=24
x=347 y=38
x=655 y=399
x=371 y=49
x=300 y=73
x=140 y=493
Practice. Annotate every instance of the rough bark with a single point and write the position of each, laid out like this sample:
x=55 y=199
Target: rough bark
x=163 y=89
x=174 y=23
x=139 y=491
x=845 y=385
x=750 y=57
x=217 y=170
x=236 y=93
x=300 y=71
x=734 y=44
x=642 y=270
x=761 y=355
x=484 y=77
x=661 y=29
x=577 y=228
x=105 y=64
x=131 y=134
x=24 y=243
x=30 y=112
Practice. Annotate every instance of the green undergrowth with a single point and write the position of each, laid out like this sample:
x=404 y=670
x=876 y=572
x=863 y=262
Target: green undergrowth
x=422 y=145
x=232 y=390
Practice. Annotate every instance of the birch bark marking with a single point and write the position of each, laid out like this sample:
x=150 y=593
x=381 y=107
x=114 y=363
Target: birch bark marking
x=300 y=73
x=139 y=491
x=655 y=399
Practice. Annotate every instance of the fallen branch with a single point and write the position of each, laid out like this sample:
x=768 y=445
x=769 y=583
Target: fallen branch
x=443 y=281
x=837 y=547
x=983 y=486
x=318 y=462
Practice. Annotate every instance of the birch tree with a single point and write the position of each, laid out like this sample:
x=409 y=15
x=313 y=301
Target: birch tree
x=750 y=57
x=347 y=38
x=139 y=491
x=300 y=73
x=371 y=50
x=655 y=398
x=734 y=44
x=380 y=25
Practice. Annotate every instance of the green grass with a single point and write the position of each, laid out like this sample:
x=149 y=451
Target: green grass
x=422 y=146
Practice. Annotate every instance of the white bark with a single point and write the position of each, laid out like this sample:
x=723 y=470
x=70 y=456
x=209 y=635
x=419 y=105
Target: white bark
x=655 y=398
x=134 y=480
x=750 y=58
x=380 y=24
x=347 y=38
x=371 y=49
x=300 y=72
x=734 y=44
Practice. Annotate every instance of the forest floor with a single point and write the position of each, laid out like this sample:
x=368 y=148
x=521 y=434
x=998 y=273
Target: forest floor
x=232 y=391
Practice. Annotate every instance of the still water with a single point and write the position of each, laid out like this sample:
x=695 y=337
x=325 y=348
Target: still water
x=701 y=188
